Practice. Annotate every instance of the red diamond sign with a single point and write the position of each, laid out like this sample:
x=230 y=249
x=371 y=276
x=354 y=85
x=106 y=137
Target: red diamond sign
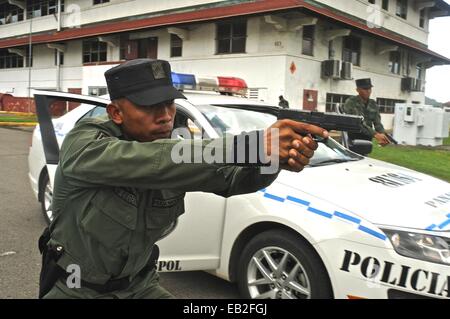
x=293 y=68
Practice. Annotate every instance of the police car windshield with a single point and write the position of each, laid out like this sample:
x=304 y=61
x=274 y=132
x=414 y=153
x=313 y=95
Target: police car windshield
x=230 y=120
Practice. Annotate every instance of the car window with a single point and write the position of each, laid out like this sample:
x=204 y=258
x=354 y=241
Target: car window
x=95 y=112
x=235 y=121
x=227 y=120
x=186 y=122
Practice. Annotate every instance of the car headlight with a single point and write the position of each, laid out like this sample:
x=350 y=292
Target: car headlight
x=420 y=246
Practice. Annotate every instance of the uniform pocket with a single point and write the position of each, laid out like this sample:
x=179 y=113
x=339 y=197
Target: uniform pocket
x=163 y=212
x=110 y=221
x=372 y=114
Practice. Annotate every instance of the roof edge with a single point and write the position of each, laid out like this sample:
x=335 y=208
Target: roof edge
x=211 y=14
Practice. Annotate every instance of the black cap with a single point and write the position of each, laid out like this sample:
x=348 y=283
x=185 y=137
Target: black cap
x=144 y=82
x=364 y=84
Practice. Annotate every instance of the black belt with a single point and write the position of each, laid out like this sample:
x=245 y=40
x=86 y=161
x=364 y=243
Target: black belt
x=121 y=283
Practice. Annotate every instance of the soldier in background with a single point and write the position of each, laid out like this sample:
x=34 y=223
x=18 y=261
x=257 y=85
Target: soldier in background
x=283 y=102
x=362 y=105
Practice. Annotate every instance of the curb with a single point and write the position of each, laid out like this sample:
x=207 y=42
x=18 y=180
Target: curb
x=17 y=113
x=24 y=124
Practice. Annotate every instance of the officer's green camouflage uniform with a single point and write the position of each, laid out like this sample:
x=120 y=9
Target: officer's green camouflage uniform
x=372 y=119
x=114 y=199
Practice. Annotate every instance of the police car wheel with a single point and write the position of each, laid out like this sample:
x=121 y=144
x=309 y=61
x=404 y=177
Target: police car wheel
x=46 y=198
x=279 y=265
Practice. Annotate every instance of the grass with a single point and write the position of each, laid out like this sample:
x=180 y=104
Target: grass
x=432 y=161
x=447 y=141
x=17 y=118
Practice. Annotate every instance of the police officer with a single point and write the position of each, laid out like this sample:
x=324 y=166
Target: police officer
x=283 y=103
x=368 y=108
x=117 y=190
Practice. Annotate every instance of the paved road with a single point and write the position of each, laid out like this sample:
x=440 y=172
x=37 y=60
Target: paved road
x=21 y=224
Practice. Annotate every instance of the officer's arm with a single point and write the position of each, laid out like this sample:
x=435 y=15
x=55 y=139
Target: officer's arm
x=90 y=159
x=351 y=108
x=242 y=180
x=377 y=124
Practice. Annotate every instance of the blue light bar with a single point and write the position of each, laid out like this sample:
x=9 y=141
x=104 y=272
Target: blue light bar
x=221 y=84
x=183 y=81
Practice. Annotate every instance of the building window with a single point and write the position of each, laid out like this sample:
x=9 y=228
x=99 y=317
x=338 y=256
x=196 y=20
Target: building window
x=422 y=18
x=420 y=71
x=372 y=1
x=100 y=1
x=29 y=58
x=335 y=101
x=385 y=5
x=94 y=51
x=231 y=37
x=10 y=13
x=39 y=8
x=10 y=60
x=387 y=106
x=146 y=48
x=402 y=9
x=176 y=46
x=351 y=51
x=97 y=90
x=395 y=62
x=308 y=40
x=61 y=57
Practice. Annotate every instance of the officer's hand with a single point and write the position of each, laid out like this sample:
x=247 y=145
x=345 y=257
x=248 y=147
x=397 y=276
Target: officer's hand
x=382 y=139
x=296 y=145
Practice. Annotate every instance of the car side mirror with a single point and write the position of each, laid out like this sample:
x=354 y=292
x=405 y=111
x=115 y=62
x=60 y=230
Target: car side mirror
x=361 y=147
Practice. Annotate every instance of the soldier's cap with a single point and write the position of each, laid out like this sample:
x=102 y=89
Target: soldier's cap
x=364 y=83
x=144 y=82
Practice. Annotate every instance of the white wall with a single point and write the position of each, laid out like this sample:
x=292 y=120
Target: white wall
x=82 y=12
x=387 y=19
x=266 y=64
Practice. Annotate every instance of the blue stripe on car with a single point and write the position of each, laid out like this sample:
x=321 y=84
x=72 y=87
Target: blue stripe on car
x=322 y=213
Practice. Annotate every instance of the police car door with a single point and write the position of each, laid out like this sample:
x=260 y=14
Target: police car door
x=195 y=243
x=44 y=101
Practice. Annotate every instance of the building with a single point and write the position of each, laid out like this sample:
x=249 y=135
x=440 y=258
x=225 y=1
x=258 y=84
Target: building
x=309 y=51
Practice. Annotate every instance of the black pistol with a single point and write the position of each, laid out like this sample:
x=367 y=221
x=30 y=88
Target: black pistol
x=391 y=139
x=328 y=121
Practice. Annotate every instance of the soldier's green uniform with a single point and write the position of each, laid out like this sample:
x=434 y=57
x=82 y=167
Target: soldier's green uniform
x=372 y=119
x=114 y=199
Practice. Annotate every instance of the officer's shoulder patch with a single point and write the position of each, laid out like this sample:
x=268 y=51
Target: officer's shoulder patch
x=101 y=135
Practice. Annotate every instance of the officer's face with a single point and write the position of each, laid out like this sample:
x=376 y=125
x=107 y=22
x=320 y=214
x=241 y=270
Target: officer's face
x=364 y=93
x=143 y=124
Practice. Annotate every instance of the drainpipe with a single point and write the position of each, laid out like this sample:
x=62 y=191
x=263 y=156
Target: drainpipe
x=30 y=57
x=58 y=55
x=58 y=71
x=59 y=48
x=59 y=16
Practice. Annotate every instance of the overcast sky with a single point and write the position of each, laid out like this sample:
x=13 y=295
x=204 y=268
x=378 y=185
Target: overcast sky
x=438 y=77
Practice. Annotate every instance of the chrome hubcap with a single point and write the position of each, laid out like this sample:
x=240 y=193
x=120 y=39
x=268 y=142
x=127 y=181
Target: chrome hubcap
x=274 y=273
x=48 y=197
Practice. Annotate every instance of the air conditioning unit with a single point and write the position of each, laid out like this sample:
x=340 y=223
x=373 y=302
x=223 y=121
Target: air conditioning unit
x=331 y=69
x=419 y=87
x=347 y=71
x=408 y=84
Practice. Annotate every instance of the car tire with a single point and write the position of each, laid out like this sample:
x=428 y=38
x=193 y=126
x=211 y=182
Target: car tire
x=280 y=265
x=46 y=194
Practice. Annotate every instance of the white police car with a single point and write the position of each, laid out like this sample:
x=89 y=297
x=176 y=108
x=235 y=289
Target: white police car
x=345 y=227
